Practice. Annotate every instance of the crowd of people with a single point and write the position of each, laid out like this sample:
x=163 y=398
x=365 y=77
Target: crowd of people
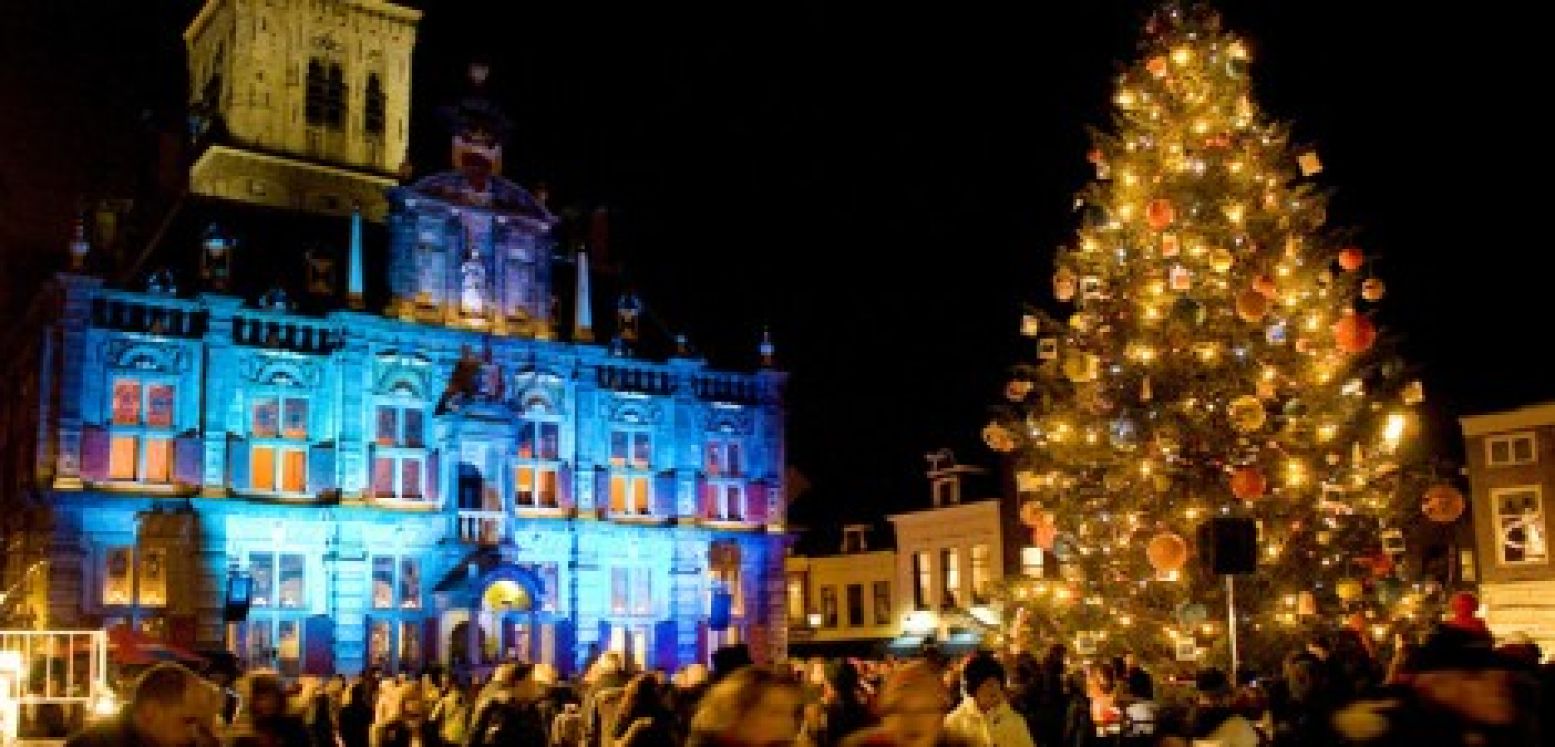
x=1452 y=687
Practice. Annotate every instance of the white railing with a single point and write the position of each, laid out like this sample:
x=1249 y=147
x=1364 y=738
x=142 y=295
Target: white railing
x=482 y=527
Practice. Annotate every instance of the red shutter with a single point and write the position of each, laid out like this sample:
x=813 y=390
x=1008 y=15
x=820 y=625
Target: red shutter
x=94 y=453
x=434 y=477
x=664 y=496
x=318 y=640
x=564 y=497
x=707 y=502
x=756 y=502
x=189 y=460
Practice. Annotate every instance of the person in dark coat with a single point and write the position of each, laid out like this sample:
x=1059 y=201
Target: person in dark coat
x=170 y=706
x=356 y=716
x=267 y=723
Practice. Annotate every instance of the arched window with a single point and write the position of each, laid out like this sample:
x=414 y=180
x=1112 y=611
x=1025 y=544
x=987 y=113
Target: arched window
x=313 y=109
x=372 y=109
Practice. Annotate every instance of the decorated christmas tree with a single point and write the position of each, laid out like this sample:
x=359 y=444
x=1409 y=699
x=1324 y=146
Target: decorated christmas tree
x=1217 y=358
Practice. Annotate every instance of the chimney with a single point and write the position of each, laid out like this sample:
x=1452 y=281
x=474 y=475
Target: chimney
x=354 y=296
x=583 y=312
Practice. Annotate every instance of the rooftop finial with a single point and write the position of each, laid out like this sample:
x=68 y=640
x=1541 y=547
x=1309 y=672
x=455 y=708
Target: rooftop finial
x=79 y=246
x=767 y=349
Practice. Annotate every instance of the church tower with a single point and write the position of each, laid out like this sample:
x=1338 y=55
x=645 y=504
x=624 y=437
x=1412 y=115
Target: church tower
x=300 y=104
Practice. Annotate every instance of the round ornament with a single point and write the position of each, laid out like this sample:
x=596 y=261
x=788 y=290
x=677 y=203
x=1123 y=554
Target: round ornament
x=1351 y=259
x=1265 y=387
x=1159 y=213
x=1276 y=334
x=1094 y=155
x=1246 y=413
x=1017 y=389
x=1354 y=333
x=1349 y=590
x=1442 y=504
x=1372 y=289
x=1031 y=513
x=1180 y=279
x=1156 y=65
x=1080 y=366
x=1170 y=245
x=1221 y=259
x=1248 y=483
x=1251 y=306
x=1265 y=285
x=998 y=438
x=1167 y=551
x=1064 y=283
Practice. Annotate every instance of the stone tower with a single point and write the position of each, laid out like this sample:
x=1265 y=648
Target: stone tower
x=300 y=104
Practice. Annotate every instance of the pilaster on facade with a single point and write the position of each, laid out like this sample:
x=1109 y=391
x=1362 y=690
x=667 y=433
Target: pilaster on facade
x=77 y=292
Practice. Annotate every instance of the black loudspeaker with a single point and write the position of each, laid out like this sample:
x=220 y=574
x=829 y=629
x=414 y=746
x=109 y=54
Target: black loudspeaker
x=240 y=587
x=1229 y=545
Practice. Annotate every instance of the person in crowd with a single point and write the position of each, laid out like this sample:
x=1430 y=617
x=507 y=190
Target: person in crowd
x=1139 y=683
x=1299 y=703
x=984 y=718
x=749 y=707
x=605 y=686
x=321 y=712
x=1052 y=707
x=1077 y=729
x=1213 y=718
x=1026 y=688
x=265 y=720
x=451 y=715
x=508 y=711
x=911 y=704
x=729 y=659
x=169 y=706
x=645 y=719
x=410 y=726
x=356 y=715
x=842 y=707
x=686 y=691
x=1457 y=691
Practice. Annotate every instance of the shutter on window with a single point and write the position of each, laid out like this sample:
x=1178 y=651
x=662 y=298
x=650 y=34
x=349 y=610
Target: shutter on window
x=666 y=645
x=189 y=460
x=321 y=470
x=566 y=648
x=756 y=502
x=318 y=640
x=434 y=476
x=237 y=463
x=664 y=496
x=94 y=453
x=707 y=502
x=602 y=491
x=564 y=488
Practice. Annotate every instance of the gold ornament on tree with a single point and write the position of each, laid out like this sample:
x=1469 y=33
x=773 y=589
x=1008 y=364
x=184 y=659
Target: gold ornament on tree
x=1372 y=289
x=998 y=438
x=1246 y=413
x=1064 y=284
x=1251 y=306
x=1442 y=504
x=1159 y=213
x=1167 y=552
x=1081 y=367
x=1221 y=259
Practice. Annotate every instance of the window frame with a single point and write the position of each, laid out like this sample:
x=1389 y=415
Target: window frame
x=855 y=593
x=1510 y=441
x=397 y=574
x=636 y=479
x=273 y=559
x=400 y=450
x=1500 y=525
x=538 y=463
x=280 y=443
x=880 y=592
x=981 y=570
x=142 y=432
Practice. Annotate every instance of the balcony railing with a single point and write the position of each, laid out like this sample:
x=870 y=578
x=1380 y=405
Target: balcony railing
x=482 y=527
x=153 y=314
x=734 y=388
x=270 y=329
x=640 y=379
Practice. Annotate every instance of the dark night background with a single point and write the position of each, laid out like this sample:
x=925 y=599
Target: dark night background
x=884 y=187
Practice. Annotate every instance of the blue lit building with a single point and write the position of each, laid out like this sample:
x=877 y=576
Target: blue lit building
x=424 y=466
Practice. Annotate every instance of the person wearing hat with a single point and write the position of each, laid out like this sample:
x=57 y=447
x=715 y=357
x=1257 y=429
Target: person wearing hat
x=984 y=716
x=1214 y=721
x=1457 y=691
x=911 y=707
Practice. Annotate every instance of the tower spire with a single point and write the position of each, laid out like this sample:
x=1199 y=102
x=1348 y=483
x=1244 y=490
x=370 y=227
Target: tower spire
x=354 y=296
x=583 y=312
x=766 y=348
x=79 y=246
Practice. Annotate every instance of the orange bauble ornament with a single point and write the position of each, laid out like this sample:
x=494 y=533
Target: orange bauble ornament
x=1166 y=552
x=1248 y=483
x=1372 y=289
x=1159 y=213
x=1354 y=333
x=1251 y=305
x=1442 y=504
x=1265 y=286
x=1351 y=259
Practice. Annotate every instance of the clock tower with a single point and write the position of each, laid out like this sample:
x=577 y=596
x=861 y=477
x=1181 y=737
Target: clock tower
x=300 y=104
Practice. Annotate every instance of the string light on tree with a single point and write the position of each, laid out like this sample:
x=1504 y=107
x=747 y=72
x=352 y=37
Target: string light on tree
x=1219 y=357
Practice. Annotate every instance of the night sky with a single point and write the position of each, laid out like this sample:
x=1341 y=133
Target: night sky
x=884 y=186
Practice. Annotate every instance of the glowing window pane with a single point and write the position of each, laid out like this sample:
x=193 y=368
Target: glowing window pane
x=618 y=448
x=732 y=459
x=261 y=565
x=159 y=460
x=261 y=468
x=411 y=427
x=550 y=441
x=618 y=494
x=294 y=471
x=266 y=419
x=291 y=577
x=126 y=402
x=642 y=591
x=715 y=458
x=383 y=583
x=618 y=590
x=159 y=405
x=383 y=477
x=641 y=451
x=524 y=487
x=410 y=584
x=386 y=434
x=640 y=494
x=122 y=454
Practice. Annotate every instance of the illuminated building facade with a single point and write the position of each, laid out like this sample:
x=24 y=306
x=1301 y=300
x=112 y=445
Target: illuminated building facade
x=429 y=473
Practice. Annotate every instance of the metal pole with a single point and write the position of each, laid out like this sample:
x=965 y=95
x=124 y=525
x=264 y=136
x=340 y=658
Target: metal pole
x=1231 y=623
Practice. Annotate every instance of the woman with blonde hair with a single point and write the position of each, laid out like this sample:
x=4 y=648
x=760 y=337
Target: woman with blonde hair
x=751 y=707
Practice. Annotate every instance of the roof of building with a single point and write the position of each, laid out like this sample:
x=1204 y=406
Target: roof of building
x=1527 y=416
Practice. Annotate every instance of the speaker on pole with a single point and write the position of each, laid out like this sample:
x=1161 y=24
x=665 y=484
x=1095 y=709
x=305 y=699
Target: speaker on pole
x=240 y=587
x=1229 y=545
